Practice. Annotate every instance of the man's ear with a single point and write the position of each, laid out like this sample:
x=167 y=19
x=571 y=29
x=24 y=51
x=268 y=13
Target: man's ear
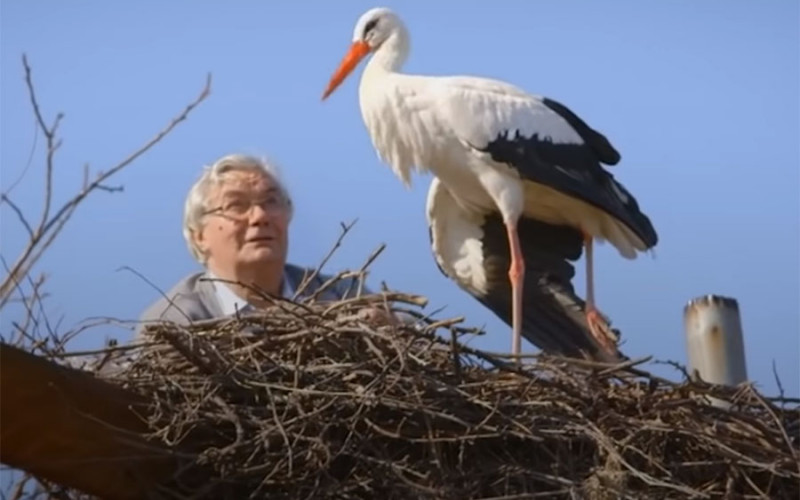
x=200 y=241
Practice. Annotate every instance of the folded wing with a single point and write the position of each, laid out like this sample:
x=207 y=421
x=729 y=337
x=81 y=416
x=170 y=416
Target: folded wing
x=471 y=248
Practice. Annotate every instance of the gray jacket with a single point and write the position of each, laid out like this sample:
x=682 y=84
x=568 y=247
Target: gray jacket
x=194 y=297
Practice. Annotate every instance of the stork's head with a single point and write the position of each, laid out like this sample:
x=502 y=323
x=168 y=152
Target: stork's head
x=373 y=28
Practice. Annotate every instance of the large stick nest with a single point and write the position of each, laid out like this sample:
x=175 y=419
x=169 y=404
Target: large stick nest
x=310 y=401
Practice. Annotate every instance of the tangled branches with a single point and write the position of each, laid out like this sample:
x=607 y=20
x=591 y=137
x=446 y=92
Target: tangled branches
x=42 y=234
x=309 y=401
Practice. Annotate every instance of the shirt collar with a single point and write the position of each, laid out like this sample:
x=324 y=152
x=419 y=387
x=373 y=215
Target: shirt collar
x=288 y=286
x=230 y=303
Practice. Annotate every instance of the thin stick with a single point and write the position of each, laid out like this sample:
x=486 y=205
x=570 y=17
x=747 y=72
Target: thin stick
x=42 y=236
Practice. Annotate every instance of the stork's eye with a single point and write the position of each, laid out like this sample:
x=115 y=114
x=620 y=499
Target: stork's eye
x=370 y=25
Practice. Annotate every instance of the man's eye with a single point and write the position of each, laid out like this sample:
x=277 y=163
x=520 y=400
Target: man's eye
x=236 y=206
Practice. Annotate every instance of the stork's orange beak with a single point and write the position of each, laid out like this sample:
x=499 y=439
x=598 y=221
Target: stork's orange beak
x=356 y=53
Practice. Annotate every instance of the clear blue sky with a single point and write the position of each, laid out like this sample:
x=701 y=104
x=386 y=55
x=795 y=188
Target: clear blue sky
x=701 y=98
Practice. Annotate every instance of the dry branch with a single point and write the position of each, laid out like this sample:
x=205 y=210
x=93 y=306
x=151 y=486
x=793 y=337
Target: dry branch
x=49 y=226
x=306 y=401
x=35 y=333
x=66 y=426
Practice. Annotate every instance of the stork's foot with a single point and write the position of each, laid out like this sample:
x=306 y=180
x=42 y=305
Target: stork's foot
x=601 y=329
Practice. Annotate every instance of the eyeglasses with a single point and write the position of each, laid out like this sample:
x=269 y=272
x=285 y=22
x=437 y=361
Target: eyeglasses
x=241 y=208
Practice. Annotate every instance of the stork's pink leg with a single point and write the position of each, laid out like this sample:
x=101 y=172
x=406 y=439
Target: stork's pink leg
x=599 y=327
x=516 y=274
x=589 y=271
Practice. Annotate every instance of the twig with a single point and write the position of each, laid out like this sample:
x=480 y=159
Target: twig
x=161 y=292
x=308 y=280
x=20 y=214
x=781 y=393
x=28 y=163
x=625 y=365
x=370 y=259
x=50 y=226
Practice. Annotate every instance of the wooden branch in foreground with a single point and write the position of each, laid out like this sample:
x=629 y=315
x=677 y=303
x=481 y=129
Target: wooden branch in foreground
x=78 y=431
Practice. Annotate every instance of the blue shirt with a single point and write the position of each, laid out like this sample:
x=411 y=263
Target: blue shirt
x=230 y=303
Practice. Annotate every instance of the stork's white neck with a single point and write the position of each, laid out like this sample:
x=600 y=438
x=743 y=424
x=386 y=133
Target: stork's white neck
x=380 y=110
x=392 y=53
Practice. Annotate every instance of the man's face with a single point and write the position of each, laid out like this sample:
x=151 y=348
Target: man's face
x=246 y=224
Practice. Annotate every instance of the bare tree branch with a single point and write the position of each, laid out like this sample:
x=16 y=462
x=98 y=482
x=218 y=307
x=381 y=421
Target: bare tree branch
x=310 y=278
x=42 y=236
x=27 y=302
x=30 y=301
x=19 y=213
x=28 y=163
x=34 y=331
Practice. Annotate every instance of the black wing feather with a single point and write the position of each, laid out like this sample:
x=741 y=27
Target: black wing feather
x=599 y=144
x=573 y=168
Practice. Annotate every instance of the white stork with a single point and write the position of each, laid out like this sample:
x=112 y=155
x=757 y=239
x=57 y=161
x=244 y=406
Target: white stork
x=504 y=158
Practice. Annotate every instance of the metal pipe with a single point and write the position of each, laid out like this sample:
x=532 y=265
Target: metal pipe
x=714 y=340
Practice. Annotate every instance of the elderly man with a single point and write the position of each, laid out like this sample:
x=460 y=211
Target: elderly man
x=235 y=222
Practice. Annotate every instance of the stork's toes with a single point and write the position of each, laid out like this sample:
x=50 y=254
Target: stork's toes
x=601 y=329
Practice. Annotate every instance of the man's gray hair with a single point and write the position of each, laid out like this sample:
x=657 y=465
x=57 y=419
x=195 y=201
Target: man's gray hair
x=196 y=201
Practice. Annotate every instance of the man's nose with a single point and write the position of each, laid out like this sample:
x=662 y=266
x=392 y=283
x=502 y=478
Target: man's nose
x=258 y=214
